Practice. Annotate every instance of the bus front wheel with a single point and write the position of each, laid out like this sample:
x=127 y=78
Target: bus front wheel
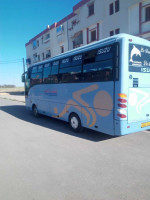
x=75 y=122
x=35 y=111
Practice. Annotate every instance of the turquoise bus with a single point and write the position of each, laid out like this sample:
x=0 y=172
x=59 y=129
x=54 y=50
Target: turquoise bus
x=104 y=86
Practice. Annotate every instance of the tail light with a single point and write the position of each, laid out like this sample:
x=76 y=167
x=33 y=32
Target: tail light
x=122 y=100
x=122 y=116
x=122 y=106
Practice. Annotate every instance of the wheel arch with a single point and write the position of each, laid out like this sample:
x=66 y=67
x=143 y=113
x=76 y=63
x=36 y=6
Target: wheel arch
x=33 y=105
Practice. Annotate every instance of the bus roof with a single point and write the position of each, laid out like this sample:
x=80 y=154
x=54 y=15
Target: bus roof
x=91 y=46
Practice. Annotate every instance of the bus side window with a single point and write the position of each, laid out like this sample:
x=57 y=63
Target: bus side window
x=89 y=67
x=34 y=70
x=40 y=74
x=46 y=73
x=99 y=65
x=54 y=72
x=71 y=72
x=36 y=75
x=33 y=75
x=98 y=71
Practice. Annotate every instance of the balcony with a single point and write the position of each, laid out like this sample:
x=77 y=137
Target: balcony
x=146 y=26
x=74 y=24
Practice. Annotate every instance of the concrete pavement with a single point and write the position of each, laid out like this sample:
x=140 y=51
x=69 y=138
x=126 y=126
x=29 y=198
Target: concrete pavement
x=15 y=96
x=42 y=159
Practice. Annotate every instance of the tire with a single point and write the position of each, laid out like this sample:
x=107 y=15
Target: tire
x=75 y=122
x=35 y=111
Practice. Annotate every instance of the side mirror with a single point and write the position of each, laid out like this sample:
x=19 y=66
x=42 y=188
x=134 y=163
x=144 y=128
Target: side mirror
x=23 y=78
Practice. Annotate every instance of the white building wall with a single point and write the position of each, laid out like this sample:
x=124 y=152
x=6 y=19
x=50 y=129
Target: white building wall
x=43 y=47
x=134 y=19
x=127 y=20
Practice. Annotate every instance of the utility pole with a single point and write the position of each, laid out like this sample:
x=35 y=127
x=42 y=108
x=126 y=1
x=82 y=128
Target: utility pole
x=24 y=73
x=23 y=65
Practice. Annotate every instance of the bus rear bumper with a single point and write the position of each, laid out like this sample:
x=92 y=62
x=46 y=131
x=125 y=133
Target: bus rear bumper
x=124 y=128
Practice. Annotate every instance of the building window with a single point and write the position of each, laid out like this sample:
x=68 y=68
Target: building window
x=28 y=61
x=38 y=57
x=117 y=31
x=93 y=35
x=48 y=53
x=35 y=44
x=47 y=36
x=62 y=49
x=42 y=40
x=60 y=29
x=117 y=6
x=77 y=39
x=111 y=9
x=43 y=57
x=91 y=9
x=147 y=14
x=35 y=57
x=111 y=33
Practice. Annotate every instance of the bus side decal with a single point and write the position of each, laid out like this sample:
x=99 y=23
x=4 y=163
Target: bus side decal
x=102 y=99
x=77 y=97
x=74 y=104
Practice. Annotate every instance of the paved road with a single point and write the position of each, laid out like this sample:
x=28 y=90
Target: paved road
x=41 y=159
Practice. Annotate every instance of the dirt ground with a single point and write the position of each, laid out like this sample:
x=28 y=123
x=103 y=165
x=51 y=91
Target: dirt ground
x=16 y=94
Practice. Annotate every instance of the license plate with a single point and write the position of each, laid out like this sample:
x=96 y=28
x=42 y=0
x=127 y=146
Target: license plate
x=145 y=124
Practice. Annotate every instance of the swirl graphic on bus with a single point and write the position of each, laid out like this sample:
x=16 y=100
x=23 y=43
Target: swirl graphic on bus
x=102 y=104
x=136 y=100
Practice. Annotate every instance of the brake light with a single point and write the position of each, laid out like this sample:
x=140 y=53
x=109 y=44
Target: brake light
x=122 y=105
x=122 y=116
x=122 y=100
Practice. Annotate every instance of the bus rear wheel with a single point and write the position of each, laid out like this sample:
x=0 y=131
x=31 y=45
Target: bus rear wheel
x=35 y=111
x=75 y=122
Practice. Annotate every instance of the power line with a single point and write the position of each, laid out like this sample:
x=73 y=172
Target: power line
x=11 y=61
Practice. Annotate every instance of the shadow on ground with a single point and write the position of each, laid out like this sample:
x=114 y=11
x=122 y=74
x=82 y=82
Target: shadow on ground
x=20 y=112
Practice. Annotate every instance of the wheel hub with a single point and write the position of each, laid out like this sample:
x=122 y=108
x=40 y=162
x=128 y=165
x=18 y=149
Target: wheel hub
x=74 y=122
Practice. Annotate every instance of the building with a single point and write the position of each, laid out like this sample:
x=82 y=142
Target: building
x=90 y=20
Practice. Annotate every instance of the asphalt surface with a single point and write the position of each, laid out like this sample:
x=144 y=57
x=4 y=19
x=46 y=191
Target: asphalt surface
x=42 y=159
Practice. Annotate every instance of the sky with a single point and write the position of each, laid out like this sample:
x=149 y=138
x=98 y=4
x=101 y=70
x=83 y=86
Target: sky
x=21 y=20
